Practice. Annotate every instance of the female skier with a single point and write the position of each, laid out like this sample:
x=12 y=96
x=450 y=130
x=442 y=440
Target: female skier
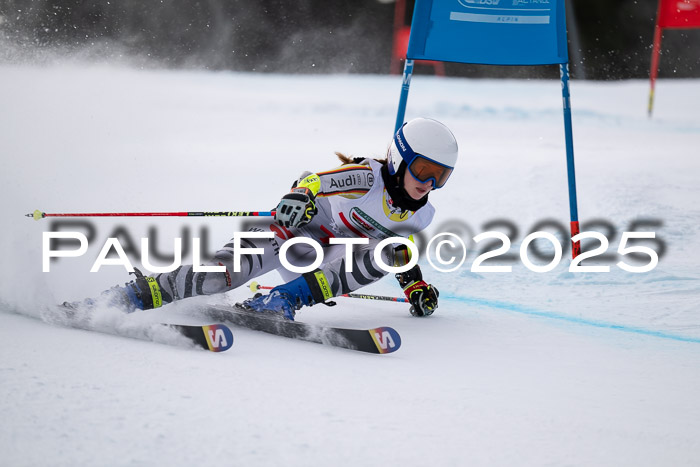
x=361 y=198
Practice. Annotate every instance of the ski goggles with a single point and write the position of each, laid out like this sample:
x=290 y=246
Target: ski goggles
x=421 y=167
x=425 y=170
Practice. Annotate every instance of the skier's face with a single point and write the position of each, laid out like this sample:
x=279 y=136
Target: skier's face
x=415 y=188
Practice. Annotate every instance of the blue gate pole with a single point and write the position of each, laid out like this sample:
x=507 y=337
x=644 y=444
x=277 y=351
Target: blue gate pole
x=573 y=208
x=401 y=113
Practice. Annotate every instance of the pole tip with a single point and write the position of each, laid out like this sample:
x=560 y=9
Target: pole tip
x=254 y=286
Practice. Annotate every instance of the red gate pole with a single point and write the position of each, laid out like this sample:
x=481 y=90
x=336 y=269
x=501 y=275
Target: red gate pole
x=656 y=50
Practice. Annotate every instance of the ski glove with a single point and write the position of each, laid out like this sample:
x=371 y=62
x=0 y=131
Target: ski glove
x=423 y=297
x=296 y=208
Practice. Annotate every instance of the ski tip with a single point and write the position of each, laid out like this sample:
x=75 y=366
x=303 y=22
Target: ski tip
x=219 y=337
x=386 y=339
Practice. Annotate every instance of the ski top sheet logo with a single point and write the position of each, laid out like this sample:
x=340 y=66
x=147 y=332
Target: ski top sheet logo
x=219 y=337
x=386 y=339
x=392 y=212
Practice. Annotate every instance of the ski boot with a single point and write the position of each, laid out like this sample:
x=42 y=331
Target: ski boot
x=142 y=293
x=284 y=300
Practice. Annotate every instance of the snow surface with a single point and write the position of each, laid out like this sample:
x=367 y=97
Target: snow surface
x=517 y=368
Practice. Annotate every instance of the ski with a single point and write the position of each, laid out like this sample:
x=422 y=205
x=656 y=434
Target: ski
x=212 y=337
x=377 y=340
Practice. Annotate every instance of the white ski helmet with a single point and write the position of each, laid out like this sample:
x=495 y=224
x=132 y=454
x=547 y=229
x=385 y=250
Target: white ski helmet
x=427 y=147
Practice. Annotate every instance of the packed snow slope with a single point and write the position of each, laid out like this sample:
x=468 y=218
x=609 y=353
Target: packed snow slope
x=515 y=368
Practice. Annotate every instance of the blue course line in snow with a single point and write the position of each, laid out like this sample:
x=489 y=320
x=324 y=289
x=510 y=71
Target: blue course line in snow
x=572 y=319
